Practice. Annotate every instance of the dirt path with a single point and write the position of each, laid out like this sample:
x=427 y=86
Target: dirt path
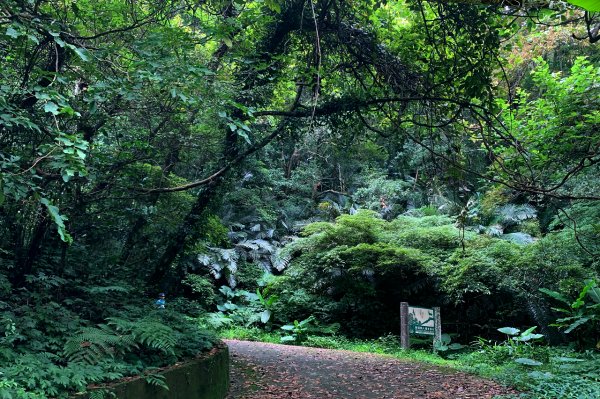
x=269 y=371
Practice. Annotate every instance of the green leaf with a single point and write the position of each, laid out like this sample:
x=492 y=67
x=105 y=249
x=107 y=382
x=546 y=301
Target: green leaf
x=80 y=51
x=594 y=291
x=528 y=337
x=446 y=339
x=556 y=295
x=51 y=107
x=60 y=42
x=12 y=32
x=68 y=110
x=539 y=375
x=58 y=219
x=589 y=5
x=273 y=5
x=578 y=323
x=509 y=330
x=265 y=316
x=529 y=331
x=528 y=362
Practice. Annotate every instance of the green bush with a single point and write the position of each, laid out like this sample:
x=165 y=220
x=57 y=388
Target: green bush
x=356 y=271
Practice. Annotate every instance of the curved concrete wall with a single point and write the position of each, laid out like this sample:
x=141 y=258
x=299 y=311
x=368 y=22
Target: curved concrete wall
x=204 y=378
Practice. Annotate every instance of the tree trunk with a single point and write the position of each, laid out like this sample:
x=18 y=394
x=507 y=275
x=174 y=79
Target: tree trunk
x=27 y=257
x=187 y=231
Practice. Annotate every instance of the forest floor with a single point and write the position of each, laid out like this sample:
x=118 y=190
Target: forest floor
x=270 y=371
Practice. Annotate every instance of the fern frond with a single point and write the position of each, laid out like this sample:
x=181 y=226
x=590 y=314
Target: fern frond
x=215 y=269
x=263 y=244
x=204 y=259
x=280 y=260
x=231 y=280
x=93 y=344
x=156 y=335
x=511 y=213
x=248 y=244
x=158 y=380
x=147 y=332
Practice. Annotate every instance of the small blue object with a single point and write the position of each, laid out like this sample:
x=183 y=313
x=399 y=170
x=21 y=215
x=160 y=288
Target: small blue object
x=160 y=302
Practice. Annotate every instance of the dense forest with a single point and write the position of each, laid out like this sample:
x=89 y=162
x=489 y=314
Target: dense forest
x=298 y=164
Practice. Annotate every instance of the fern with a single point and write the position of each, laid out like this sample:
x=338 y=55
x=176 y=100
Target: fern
x=156 y=335
x=101 y=394
x=511 y=214
x=204 y=259
x=157 y=380
x=231 y=257
x=93 y=344
x=248 y=244
x=147 y=332
x=257 y=244
x=264 y=245
x=280 y=261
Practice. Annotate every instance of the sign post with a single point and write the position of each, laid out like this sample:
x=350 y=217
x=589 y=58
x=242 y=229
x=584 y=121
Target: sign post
x=418 y=320
x=404 y=334
x=437 y=321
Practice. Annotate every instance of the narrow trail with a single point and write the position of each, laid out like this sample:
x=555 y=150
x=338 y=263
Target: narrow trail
x=270 y=371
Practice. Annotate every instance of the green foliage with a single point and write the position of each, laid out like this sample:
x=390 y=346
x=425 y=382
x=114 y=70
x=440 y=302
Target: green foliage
x=445 y=344
x=583 y=313
x=203 y=289
x=300 y=331
x=157 y=380
x=58 y=219
x=557 y=122
x=396 y=194
x=243 y=309
x=92 y=345
x=361 y=265
x=540 y=371
x=347 y=272
x=47 y=350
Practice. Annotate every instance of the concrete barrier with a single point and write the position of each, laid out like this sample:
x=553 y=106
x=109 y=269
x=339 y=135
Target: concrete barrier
x=206 y=377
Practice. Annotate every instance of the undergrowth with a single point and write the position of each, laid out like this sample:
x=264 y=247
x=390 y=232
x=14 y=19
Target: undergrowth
x=49 y=351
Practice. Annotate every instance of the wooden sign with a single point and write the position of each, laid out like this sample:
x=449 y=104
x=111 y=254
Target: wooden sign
x=418 y=320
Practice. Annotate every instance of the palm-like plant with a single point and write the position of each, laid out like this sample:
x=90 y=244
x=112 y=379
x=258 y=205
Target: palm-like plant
x=255 y=243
